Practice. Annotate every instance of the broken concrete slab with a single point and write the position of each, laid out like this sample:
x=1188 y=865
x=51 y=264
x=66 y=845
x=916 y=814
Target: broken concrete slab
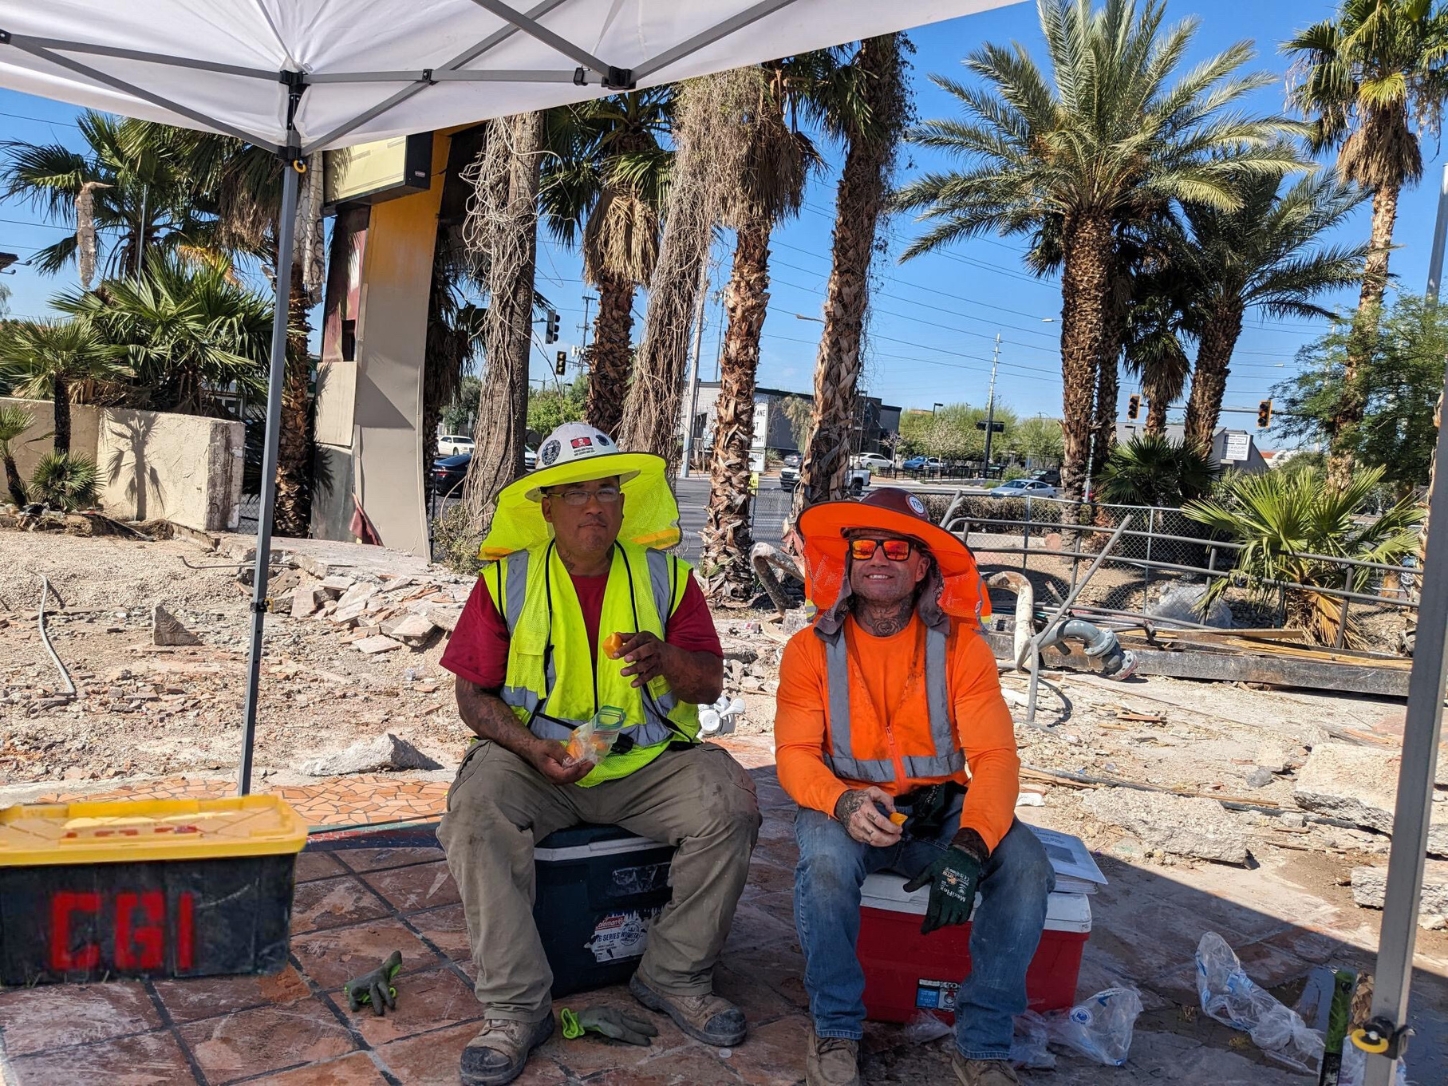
x=1360 y=785
x=166 y=629
x=360 y=592
x=306 y=598
x=1369 y=887
x=336 y=584
x=444 y=616
x=1273 y=755
x=1184 y=826
x=348 y=614
x=373 y=645
x=409 y=628
x=385 y=752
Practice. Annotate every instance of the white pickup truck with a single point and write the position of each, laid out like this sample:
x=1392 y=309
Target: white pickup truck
x=856 y=479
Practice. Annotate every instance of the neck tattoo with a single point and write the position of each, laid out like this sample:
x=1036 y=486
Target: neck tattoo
x=884 y=619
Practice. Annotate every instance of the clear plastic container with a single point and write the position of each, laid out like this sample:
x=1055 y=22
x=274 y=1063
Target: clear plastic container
x=592 y=740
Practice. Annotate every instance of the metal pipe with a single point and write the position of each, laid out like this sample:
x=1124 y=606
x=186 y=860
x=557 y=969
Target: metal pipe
x=1414 y=805
x=694 y=368
x=276 y=381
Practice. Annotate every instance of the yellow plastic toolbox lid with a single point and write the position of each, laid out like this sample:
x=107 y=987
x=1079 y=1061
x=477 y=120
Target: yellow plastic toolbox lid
x=138 y=830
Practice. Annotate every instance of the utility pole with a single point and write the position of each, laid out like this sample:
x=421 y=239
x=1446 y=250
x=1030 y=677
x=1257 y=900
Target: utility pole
x=586 y=299
x=1440 y=234
x=694 y=369
x=990 y=404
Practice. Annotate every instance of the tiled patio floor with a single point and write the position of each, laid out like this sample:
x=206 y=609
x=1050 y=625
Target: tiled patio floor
x=356 y=902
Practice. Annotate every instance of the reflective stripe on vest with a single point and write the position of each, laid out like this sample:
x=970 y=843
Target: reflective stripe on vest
x=948 y=757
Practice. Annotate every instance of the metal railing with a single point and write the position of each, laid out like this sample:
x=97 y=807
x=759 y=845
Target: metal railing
x=1151 y=550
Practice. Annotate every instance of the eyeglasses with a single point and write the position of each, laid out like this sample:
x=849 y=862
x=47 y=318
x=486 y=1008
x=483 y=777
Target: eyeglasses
x=578 y=497
x=897 y=550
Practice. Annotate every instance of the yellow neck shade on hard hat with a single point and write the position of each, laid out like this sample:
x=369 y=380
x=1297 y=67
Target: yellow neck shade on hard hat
x=650 y=513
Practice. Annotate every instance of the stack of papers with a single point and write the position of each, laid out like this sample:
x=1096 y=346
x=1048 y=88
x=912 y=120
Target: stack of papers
x=1076 y=870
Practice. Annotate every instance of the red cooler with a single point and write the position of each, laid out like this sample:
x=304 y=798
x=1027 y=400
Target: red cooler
x=906 y=972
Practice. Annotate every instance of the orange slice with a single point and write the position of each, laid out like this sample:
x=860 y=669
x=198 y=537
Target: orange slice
x=898 y=817
x=612 y=644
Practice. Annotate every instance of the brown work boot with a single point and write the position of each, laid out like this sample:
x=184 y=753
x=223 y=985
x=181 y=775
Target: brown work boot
x=708 y=1018
x=498 y=1054
x=983 y=1072
x=832 y=1061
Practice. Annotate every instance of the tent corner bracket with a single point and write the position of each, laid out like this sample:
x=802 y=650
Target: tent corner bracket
x=618 y=78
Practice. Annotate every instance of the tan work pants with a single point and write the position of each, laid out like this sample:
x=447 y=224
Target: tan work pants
x=699 y=800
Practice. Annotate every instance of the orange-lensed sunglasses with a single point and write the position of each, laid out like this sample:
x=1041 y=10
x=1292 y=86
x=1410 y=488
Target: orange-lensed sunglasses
x=862 y=550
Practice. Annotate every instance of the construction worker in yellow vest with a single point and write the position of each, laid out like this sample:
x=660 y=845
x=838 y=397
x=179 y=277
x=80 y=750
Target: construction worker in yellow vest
x=580 y=618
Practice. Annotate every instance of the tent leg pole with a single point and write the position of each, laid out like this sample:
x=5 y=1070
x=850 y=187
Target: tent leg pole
x=1415 y=785
x=275 y=383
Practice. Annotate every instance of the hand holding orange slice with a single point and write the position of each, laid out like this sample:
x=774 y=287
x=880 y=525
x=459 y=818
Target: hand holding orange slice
x=613 y=644
x=898 y=817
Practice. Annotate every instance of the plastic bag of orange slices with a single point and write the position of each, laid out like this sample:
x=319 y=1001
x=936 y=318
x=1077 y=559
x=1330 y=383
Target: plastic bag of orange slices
x=594 y=738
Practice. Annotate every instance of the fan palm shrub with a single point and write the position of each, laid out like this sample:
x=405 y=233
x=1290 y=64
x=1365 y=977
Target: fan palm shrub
x=14 y=421
x=1290 y=525
x=1152 y=470
x=47 y=358
x=65 y=481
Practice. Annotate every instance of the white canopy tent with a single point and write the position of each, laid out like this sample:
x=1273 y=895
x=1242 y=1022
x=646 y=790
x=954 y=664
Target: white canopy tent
x=299 y=76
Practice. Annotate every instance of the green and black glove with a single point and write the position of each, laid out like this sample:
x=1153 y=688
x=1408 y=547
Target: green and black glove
x=375 y=988
x=610 y=1022
x=932 y=805
x=953 y=879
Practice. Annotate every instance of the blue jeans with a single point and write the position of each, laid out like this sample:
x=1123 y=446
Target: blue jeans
x=1007 y=927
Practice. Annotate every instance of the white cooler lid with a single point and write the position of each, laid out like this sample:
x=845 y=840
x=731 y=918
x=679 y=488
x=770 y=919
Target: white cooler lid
x=615 y=847
x=1064 y=912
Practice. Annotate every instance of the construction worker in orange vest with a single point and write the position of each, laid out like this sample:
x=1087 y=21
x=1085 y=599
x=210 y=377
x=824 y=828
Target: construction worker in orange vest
x=889 y=704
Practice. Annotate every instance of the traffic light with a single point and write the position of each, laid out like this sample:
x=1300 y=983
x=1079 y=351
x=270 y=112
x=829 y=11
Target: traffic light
x=561 y=365
x=550 y=332
x=1133 y=406
x=1264 y=414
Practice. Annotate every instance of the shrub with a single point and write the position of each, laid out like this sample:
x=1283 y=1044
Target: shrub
x=65 y=481
x=1150 y=470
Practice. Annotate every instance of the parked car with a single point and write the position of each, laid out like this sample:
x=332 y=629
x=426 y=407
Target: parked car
x=449 y=472
x=1022 y=488
x=922 y=463
x=873 y=461
x=788 y=477
x=791 y=460
x=453 y=444
x=1048 y=475
x=530 y=459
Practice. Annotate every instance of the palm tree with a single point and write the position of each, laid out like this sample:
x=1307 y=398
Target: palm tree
x=1266 y=254
x=188 y=331
x=1153 y=350
x=770 y=189
x=46 y=358
x=14 y=421
x=711 y=145
x=1288 y=521
x=503 y=225
x=1372 y=81
x=605 y=181
x=1150 y=470
x=133 y=184
x=1109 y=139
x=877 y=90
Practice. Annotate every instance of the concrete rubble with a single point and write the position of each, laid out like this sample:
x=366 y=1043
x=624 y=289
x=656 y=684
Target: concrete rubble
x=1360 y=785
x=166 y=629
x=383 y=753
x=1369 y=887
x=1196 y=827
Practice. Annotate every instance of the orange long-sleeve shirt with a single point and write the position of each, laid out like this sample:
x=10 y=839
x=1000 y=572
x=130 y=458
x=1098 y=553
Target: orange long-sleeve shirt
x=980 y=715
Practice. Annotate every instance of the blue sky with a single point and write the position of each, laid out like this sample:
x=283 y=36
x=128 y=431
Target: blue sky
x=934 y=319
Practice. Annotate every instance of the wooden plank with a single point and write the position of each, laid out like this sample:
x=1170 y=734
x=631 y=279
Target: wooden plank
x=1272 y=670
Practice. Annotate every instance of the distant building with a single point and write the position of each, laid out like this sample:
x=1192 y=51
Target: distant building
x=1230 y=448
x=772 y=431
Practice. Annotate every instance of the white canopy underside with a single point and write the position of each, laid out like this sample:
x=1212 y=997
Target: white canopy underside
x=216 y=64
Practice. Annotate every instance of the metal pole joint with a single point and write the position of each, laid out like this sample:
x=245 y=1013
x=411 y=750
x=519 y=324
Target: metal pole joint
x=1381 y=1037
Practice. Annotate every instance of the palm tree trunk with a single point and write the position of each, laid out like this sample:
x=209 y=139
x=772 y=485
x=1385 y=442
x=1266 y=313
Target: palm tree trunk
x=1209 y=379
x=711 y=144
x=1349 y=413
x=1156 y=404
x=727 y=538
x=610 y=355
x=13 y=482
x=1085 y=337
x=859 y=201
x=1108 y=394
x=60 y=393
x=294 y=444
x=507 y=190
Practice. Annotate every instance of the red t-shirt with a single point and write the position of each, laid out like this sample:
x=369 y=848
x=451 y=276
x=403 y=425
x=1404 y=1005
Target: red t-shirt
x=478 y=649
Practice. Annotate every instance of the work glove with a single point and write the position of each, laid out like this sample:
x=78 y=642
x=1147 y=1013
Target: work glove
x=375 y=988
x=610 y=1022
x=953 y=879
x=932 y=805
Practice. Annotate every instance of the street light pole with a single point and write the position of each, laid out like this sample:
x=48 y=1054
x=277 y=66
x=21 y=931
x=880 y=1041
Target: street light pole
x=990 y=404
x=694 y=369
